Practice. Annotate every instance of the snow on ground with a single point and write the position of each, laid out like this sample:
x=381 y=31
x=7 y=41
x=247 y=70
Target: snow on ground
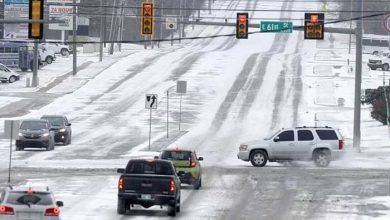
x=328 y=100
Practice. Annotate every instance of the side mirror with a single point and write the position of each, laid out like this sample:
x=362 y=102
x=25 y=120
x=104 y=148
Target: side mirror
x=276 y=139
x=69 y=124
x=60 y=203
x=51 y=129
x=200 y=158
x=156 y=157
x=120 y=170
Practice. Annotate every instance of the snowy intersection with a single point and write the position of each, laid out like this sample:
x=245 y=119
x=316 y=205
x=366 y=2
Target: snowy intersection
x=237 y=91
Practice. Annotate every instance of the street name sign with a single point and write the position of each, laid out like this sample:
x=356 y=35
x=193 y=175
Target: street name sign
x=276 y=26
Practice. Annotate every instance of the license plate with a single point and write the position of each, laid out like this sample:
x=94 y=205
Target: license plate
x=146 y=196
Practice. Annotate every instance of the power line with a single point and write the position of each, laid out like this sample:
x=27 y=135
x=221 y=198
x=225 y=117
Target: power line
x=233 y=10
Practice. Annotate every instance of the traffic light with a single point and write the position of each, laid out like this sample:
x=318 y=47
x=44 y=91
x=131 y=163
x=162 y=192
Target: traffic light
x=35 y=30
x=314 y=26
x=147 y=26
x=242 y=26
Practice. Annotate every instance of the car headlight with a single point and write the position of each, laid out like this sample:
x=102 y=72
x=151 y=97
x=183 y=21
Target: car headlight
x=20 y=134
x=243 y=147
x=46 y=134
x=62 y=130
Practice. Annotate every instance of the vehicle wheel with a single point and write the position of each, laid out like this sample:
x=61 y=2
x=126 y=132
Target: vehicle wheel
x=259 y=158
x=385 y=67
x=322 y=158
x=64 y=52
x=198 y=184
x=372 y=68
x=12 y=79
x=172 y=209
x=24 y=69
x=121 y=207
x=49 y=60
x=19 y=149
x=70 y=139
x=178 y=206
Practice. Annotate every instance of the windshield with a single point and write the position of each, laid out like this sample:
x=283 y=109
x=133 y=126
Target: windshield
x=33 y=125
x=269 y=136
x=176 y=155
x=21 y=198
x=55 y=121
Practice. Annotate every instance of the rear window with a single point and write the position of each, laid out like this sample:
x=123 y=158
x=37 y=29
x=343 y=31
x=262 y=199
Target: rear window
x=55 y=121
x=21 y=198
x=327 y=134
x=176 y=155
x=149 y=168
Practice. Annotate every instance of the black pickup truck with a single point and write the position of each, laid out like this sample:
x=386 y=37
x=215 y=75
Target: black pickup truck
x=148 y=183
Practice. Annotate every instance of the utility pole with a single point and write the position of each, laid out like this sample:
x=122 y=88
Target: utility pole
x=350 y=27
x=121 y=27
x=101 y=31
x=358 y=79
x=114 y=11
x=74 y=39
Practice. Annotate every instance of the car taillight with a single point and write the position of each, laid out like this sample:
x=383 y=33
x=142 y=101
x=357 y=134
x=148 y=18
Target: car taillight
x=341 y=144
x=52 y=212
x=120 y=184
x=5 y=210
x=172 y=186
x=193 y=163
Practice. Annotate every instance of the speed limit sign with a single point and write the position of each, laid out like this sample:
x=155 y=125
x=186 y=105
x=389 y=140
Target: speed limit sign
x=387 y=22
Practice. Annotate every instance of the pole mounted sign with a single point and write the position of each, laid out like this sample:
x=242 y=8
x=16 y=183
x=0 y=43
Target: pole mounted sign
x=60 y=12
x=171 y=23
x=151 y=101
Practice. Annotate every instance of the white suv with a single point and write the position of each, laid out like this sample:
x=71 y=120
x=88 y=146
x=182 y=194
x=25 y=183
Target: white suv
x=29 y=204
x=382 y=62
x=319 y=144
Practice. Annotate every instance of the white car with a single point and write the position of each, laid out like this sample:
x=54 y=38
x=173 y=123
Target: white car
x=319 y=144
x=57 y=48
x=28 y=204
x=47 y=55
x=8 y=75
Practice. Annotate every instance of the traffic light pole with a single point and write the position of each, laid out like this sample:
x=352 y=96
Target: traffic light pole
x=34 y=82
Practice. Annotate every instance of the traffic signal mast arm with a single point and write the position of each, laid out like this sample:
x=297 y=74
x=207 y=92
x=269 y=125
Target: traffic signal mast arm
x=257 y=26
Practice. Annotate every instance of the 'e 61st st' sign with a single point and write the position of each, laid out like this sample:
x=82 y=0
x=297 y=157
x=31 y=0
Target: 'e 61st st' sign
x=276 y=26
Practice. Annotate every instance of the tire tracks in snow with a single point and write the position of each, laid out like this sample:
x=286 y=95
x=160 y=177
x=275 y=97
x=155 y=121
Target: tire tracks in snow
x=120 y=107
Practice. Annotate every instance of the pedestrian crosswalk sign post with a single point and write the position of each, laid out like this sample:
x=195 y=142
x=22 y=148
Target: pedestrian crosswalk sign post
x=151 y=101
